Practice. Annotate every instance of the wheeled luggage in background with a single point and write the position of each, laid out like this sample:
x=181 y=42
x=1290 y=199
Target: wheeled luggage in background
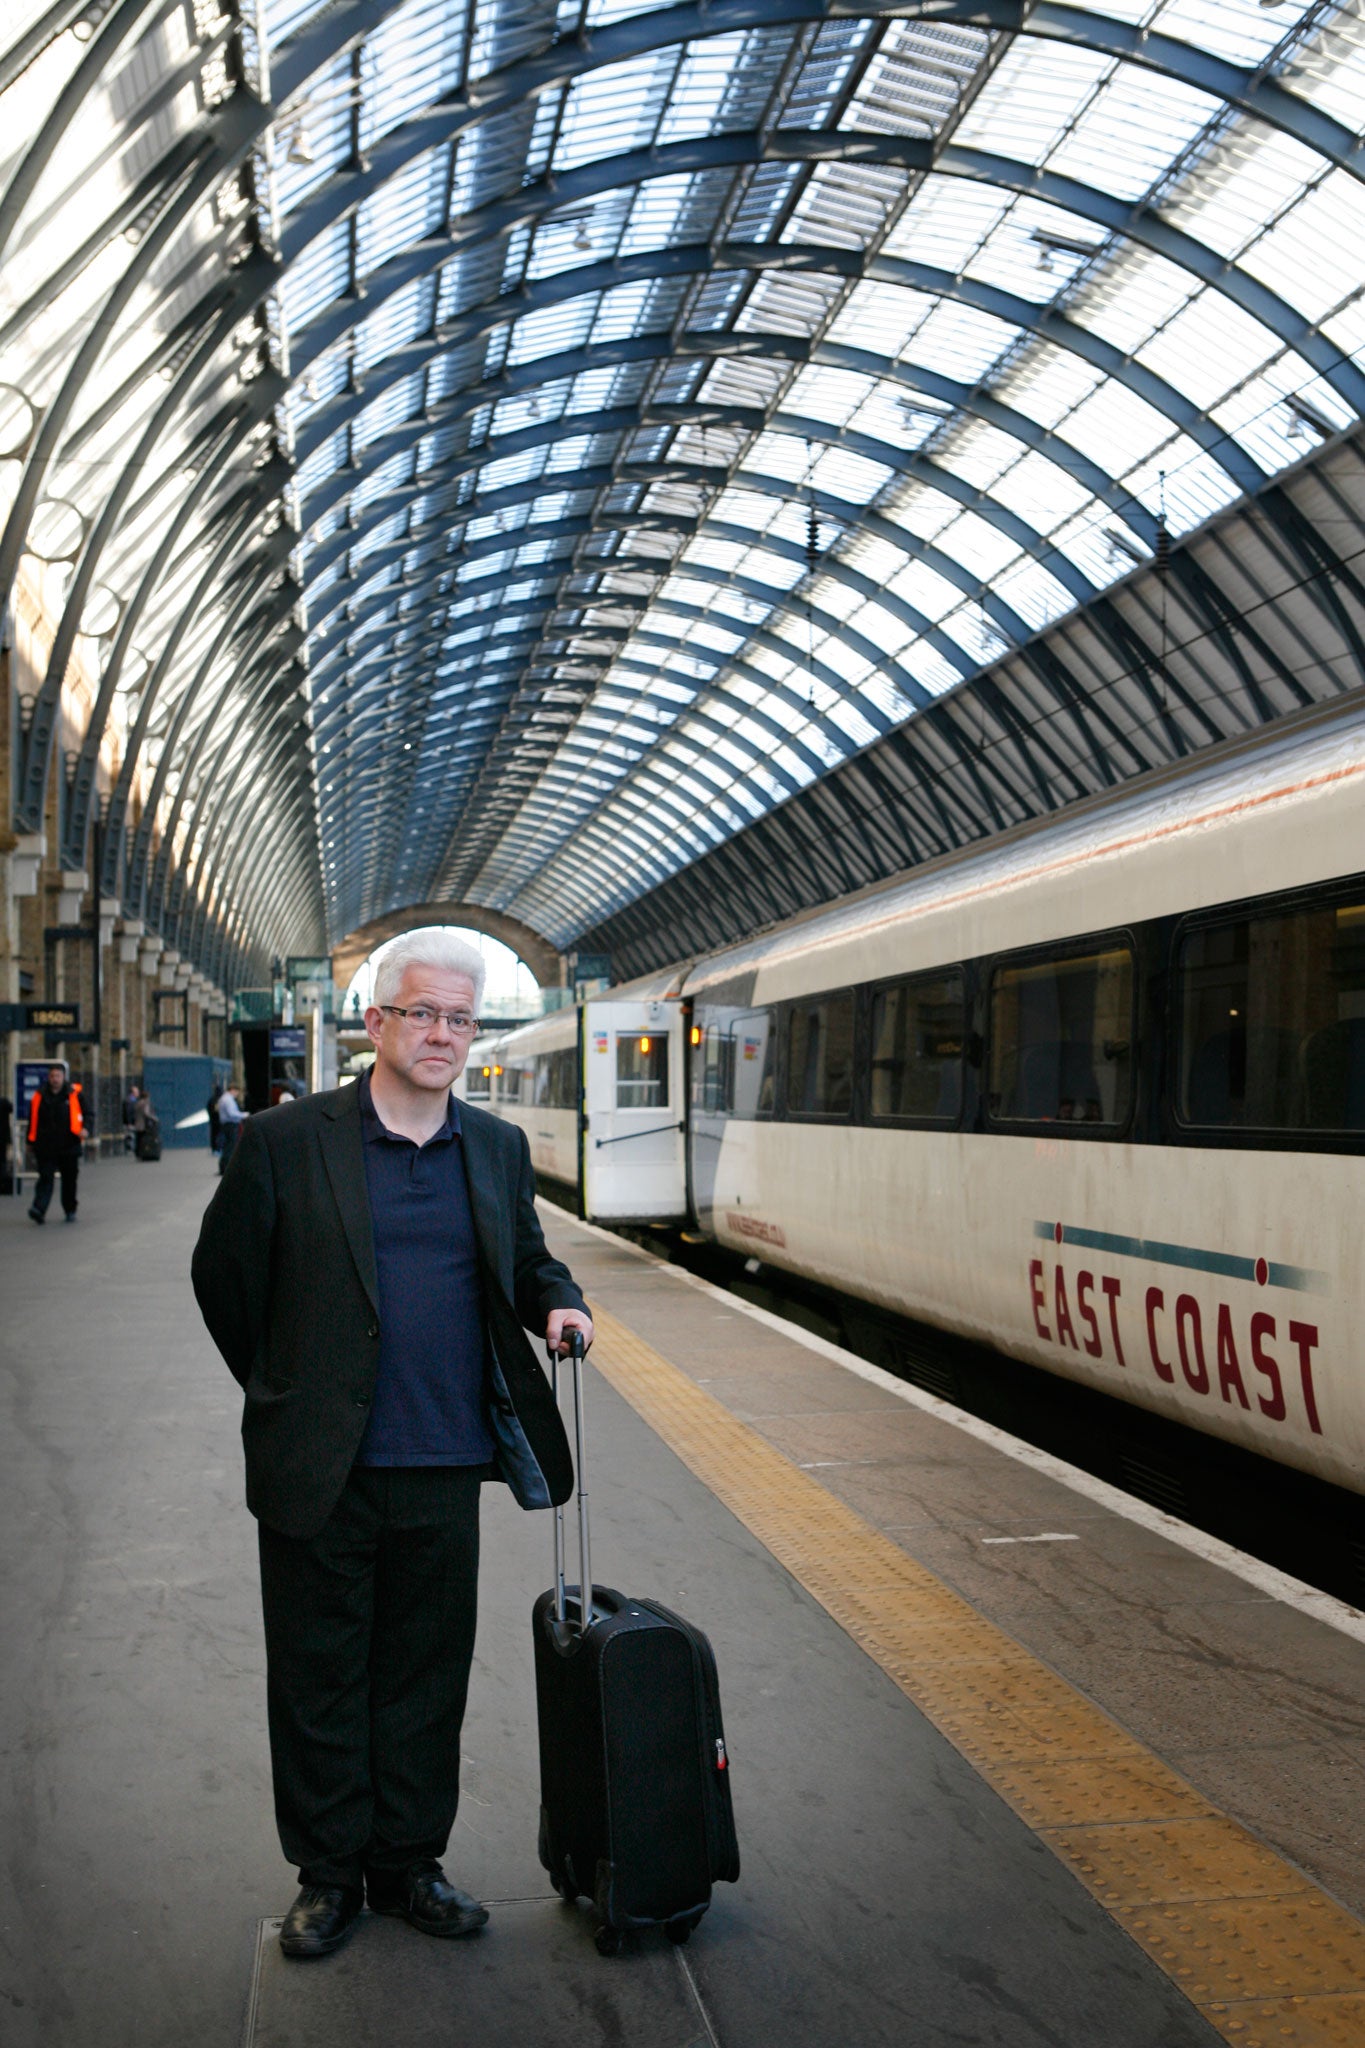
x=634 y=1776
x=147 y=1144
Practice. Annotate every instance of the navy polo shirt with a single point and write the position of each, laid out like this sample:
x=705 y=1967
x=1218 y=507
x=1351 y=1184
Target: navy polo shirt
x=429 y=1399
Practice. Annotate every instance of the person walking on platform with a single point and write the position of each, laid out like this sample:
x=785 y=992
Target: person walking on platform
x=55 y=1130
x=231 y=1117
x=368 y=1269
x=215 y=1124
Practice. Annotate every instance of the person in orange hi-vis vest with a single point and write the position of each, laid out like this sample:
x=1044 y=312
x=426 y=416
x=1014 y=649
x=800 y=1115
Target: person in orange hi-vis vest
x=55 y=1130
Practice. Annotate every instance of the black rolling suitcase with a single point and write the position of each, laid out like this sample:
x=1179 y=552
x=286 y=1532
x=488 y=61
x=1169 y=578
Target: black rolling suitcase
x=635 y=1808
x=148 y=1142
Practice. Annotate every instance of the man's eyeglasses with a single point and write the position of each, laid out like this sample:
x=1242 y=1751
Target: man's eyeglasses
x=421 y=1018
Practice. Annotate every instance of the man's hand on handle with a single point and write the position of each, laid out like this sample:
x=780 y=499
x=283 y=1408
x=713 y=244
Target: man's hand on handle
x=561 y=1321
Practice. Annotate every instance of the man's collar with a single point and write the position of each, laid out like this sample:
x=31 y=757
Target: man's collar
x=375 y=1128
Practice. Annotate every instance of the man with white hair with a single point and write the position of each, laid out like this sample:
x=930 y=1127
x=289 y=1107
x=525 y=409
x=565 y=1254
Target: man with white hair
x=368 y=1269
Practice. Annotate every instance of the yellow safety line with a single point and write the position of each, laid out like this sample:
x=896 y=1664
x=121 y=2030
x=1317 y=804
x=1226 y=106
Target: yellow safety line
x=1268 y=1958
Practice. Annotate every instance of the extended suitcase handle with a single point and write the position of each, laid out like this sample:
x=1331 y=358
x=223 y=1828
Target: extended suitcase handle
x=577 y=1352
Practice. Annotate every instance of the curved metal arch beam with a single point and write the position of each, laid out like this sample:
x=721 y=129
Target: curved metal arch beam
x=568 y=748
x=82 y=792
x=1267 y=102
x=258 y=636
x=225 y=914
x=276 y=897
x=1008 y=307
x=905 y=463
x=659 y=348
x=260 y=628
x=339 y=665
x=262 y=877
x=381 y=560
x=335 y=488
x=499 y=219
x=109 y=37
x=116 y=883
x=865 y=587
x=933 y=708
x=569 y=58
x=180 y=204
x=232 y=427
x=713 y=686
x=835 y=510
x=116 y=878
x=277 y=734
x=191 y=900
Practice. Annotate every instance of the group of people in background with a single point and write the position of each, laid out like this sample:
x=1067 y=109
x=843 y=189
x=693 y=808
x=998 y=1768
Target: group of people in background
x=56 y=1131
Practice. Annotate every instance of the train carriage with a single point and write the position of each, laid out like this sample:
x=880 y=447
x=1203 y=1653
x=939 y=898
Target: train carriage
x=1093 y=1095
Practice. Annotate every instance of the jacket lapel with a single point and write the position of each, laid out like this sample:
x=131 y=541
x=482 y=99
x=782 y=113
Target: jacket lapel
x=486 y=1209
x=343 y=1153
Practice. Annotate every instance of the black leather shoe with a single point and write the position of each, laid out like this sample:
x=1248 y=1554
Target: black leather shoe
x=424 y=1897
x=320 y=1919
x=37 y=1216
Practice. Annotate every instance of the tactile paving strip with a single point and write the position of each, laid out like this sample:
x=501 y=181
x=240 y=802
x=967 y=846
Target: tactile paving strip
x=1269 y=1959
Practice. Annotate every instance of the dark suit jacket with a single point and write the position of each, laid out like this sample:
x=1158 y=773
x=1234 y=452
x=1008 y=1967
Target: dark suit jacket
x=284 y=1272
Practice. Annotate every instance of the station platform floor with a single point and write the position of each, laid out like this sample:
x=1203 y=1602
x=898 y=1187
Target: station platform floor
x=1015 y=1762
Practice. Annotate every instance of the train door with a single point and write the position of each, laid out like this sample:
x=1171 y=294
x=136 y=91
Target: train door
x=634 y=1167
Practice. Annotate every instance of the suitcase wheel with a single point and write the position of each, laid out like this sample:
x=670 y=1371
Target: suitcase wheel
x=610 y=1941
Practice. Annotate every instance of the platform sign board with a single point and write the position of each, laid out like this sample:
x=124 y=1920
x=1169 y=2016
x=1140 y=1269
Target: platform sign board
x=59 y=1017
x=64 y=1018
x=289 y=1042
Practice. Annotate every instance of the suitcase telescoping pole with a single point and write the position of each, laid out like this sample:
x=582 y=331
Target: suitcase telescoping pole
x=585 y=1615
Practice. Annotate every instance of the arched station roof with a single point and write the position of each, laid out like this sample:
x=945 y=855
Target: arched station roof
x=502 y=451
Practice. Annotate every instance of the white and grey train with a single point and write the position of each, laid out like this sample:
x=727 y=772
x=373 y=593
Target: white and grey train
x=1092 y=1095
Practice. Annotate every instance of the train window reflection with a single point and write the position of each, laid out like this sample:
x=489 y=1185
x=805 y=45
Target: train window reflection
x=1061 y=1040
x=820 y=1056
x=733 y=1069
x=1272 y=1022
x=917 y=1036
x=642 y=1070
x=552 y=1083
x=755 y=1047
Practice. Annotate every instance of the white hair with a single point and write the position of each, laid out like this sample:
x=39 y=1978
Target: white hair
x=435 y=945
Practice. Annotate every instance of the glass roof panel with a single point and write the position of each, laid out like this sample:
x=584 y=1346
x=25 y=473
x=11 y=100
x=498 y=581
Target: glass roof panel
x=582 y=509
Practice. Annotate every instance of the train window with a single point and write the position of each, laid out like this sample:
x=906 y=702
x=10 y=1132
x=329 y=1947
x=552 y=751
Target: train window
x=820 y=1056
x=1061 y=1040
x=478 y=1081
x=713 y=1087
x=642 y=1070
x=755 y=1042
x=517 y=1086
x=552 y=1083
x=1272 y=1021
x=917 y=1037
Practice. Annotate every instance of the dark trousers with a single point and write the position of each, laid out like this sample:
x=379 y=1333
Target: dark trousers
x=369 y=1633
x=68 y=1165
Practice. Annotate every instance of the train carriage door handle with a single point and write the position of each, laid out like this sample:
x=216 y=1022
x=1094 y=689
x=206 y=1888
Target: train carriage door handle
x=625 y=1136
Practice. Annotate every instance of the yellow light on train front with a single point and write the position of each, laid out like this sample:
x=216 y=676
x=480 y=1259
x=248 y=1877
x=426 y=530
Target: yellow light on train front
x=486 y=1072
x=644 y=1045
x=497 y=1070
x=696 y=1034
